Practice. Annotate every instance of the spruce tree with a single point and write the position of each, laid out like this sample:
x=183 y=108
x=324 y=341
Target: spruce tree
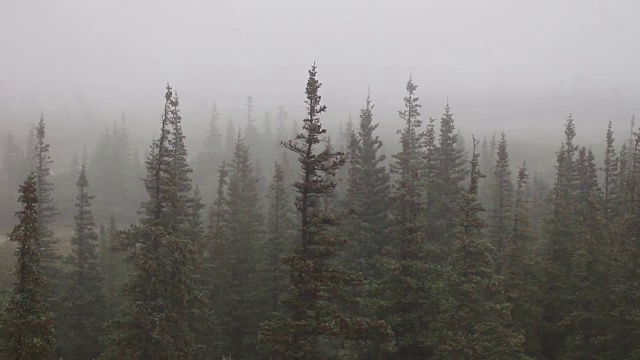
x=27 y=322
x=240 y=320
x=369 y=185
x=113 y=266
x=521 y=270
x=84 y=298
x=561 y=233
x=274 y=274
x=611 y=182
x=208 y=157
x=449 y=175
x=314 y=323
x=474 y=320
x=229 y=140
x=153 y=324
x=46 y=212
x=589 y=319
x=404 y=298
x=501 y=199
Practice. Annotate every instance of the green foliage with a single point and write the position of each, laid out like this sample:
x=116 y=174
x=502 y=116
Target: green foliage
x=474 y=320
x=501 y=199
x=27 y=323
x=313 y=327
x=84 y=306
x=160 y=293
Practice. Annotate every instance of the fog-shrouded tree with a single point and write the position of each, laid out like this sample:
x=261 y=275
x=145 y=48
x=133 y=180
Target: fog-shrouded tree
x=447 y=182
x=159 y=293
x=404 y=297
x=27 y=323
x=47 y=211
x=369 y=187
x=240 y=319
x=85 y=307
x=501 y=200
x=113 y=265
x=273 y=274
x=521 y=269
x=210 y=155
x=561 y=235
x=474 y=321
x=229 y=139
x=313 y=325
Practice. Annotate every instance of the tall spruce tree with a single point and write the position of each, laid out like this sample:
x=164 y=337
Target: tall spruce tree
x=113 y=266
x=84 y=302
x=47 y=212
x=210 y=155
x=153 y=324
x=449 y=175
x=27 y=323
x=240 y=320
x=561 y=233
x=229 y=140
x=474 y=321
x=405 y=298
x=314 y=323
x=273 y=273
x=369 y=185
x=589 y=320
x=501 y=199
x=521 y=270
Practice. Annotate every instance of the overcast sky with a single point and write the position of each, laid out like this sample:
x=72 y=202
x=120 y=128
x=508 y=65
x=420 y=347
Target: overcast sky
x=521 y=66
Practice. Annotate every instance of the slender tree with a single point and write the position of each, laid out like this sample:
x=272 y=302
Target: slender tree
x=47 y=212
x=153 y=324
x=369 y=185
x=501 y=199
x=448 y=179
x=84 y=298
x=27 y=322
x=314 y=322
x=474 y=321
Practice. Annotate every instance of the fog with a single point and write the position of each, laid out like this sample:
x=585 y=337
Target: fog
x=521 y=67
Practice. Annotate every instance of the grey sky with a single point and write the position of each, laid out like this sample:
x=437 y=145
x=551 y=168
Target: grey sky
x=517 y=65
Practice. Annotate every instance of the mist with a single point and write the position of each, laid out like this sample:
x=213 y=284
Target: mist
x=501 y=65
x=171 y=189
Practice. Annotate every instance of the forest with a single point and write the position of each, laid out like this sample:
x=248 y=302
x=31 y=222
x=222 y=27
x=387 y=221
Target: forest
x=288 y=241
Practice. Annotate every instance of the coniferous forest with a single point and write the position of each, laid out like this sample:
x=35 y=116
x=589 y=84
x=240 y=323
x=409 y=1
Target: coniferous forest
x=285 y=242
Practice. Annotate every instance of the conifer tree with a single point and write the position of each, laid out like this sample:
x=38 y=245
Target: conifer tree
x=240 y=320
x=314 y=324
x=217 y=264
x=368 y=193
x=561 y=234
x=611 y=179
x=278 y=243
x=405 y=296
x=84 y=299
x=229 y=140
x=521 y=271
x=369 y=185
x=501 y=199
x=113 y=266
x=449 y=175
x=474 y=321
x=46 y=210
x=27 y=322
x=153 y=324
x=208 y=157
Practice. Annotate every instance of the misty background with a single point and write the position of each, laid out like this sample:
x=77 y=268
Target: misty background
x=503 y=65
